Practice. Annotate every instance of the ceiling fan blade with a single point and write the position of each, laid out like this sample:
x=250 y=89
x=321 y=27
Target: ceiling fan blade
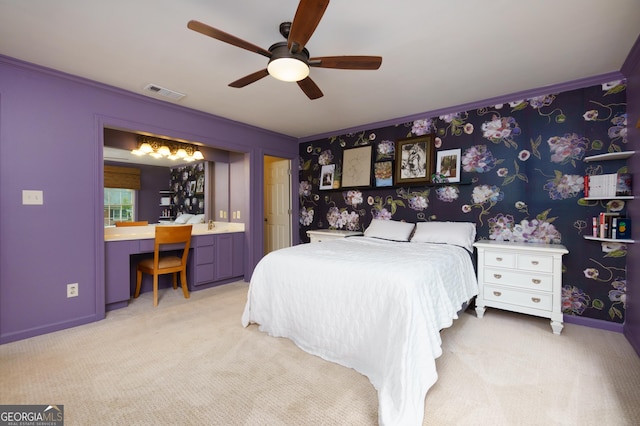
x=226 y=37
x=310 y=88
x=347 y=62
x=251 y=78
x=304 y=23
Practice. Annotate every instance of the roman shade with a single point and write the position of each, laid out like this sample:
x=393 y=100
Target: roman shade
x=121 y=177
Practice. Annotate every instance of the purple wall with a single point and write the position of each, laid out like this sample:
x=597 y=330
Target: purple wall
x=631 y=69
x=51 y=136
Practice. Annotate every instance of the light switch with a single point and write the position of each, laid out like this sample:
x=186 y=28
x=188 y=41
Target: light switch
x=32 y=197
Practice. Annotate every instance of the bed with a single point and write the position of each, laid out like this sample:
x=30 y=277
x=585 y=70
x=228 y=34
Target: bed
x=373 y=304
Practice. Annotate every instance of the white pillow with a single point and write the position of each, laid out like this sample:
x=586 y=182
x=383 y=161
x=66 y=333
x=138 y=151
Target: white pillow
x=389 y=230
x=183 y=218
x=461 y=234
x=199 y=218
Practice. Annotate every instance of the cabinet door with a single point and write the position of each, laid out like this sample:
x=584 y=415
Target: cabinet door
x=238 y=255
x=224 y=257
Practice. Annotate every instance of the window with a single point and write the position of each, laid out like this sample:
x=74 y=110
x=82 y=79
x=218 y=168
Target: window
x=119 y=205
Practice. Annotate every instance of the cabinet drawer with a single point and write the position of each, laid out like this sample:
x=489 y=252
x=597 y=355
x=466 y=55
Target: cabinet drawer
x=527 y=299
x=499 y=258
x=514 y=278
x=533 y=262
x=204 y=240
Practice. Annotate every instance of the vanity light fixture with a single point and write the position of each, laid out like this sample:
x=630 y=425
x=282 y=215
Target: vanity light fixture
x=162 y=148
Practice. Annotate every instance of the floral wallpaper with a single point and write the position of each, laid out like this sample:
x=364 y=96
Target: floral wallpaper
x=188 y=186
x=522 y=179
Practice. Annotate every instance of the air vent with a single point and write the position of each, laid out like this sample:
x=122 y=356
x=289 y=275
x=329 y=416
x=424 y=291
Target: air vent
x=161 y=91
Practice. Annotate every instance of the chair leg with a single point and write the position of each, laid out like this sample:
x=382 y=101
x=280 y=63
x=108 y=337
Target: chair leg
x=138 y=284
x=155 y=289
x=175 y=280
x=183 y=280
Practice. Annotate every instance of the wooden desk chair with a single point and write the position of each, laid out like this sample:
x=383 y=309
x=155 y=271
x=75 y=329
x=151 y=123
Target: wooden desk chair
x=166 y=264
x=138 y=223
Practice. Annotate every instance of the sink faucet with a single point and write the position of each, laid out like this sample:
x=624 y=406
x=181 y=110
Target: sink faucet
x=210 y=225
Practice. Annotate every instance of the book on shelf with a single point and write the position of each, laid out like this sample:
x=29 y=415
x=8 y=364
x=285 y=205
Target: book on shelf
x=608 y=185
x=624 y=184
x=605 y=224
x=623 y=228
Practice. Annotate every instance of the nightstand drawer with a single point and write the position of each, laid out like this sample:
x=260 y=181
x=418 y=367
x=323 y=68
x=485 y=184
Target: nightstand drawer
x=532 y=262
x=501 y=259
x=514 y=278
x=532 y=300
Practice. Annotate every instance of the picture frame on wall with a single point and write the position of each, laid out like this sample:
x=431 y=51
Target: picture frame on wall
x=448 y=164
x=356 y=166
x=326 y=176
x=414 y=160
x=383 y=173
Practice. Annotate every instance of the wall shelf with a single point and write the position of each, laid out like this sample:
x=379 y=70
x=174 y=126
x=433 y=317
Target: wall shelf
x=608 y=240
x=610 y=156
x=621 y=197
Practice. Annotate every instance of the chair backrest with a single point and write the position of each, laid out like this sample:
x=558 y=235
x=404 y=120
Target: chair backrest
x=138 y=223
x=174 y=234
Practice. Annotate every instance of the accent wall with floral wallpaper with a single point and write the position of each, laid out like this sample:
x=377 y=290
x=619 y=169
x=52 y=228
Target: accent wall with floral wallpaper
x=521 y=179
x=188 y=186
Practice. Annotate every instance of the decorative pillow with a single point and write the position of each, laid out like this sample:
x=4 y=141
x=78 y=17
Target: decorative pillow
x=389 y=230
x=199 y=218
x=461 y=234
x=183 y=218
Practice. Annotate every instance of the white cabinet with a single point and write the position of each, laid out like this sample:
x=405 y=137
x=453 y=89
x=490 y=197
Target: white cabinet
x=319 y=235
x=521 y=277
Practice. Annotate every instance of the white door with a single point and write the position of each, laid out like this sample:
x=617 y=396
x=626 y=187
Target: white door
x=277 y=203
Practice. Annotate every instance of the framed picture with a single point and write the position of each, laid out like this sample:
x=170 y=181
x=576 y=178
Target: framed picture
x=448 y=164
x=326 y=176
x=414 y=160
x=200 y=185
x=356 y=166
x=383 y=173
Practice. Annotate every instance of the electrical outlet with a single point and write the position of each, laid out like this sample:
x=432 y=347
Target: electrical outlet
x=72 y=290
x=238 y=215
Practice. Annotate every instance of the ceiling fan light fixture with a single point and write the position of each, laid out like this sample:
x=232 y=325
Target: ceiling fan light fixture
x=288 y=69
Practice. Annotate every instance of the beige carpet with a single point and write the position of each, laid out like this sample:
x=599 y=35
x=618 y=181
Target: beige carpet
x=190 y=362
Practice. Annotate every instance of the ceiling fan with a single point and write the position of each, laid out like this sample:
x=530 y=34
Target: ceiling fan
x=289 y=60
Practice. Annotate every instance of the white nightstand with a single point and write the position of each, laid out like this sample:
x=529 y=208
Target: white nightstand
x=319 y=235
x=521 y=277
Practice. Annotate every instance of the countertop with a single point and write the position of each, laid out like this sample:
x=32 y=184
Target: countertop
x=112 y=233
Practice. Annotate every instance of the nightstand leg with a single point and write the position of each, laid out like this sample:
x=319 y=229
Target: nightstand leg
x=480 y=311
x=556 y=327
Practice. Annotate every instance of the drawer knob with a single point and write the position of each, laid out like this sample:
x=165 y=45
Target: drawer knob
x=534 y=262
x=535 y=299
x=536 y=281
x=499 y=259
x=498 y=276
x=497 y=293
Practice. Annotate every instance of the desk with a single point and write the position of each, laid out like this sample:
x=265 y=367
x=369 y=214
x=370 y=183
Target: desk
x=214 y=259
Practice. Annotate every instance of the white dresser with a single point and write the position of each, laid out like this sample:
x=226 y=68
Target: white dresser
x=319 y=235
x=521 y=277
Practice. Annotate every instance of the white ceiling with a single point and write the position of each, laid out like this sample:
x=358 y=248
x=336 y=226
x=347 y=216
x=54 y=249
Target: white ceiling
x=436 y=53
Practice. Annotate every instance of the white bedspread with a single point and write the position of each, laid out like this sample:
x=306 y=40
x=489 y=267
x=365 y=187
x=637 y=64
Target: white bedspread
x=372 y=305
